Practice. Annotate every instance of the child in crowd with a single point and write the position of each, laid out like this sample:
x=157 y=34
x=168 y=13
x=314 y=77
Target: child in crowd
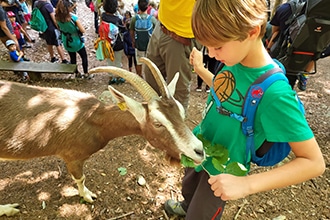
x=72 y=34
x=16 y=56
x=140 y=41
x=26 y=11
x=19 y=32
x=128 y=47
x=237 y=43
x=110 y=16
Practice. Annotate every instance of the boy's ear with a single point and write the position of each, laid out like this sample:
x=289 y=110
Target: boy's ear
x=255 y=32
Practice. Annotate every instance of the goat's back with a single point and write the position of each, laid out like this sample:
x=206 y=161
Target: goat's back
x=39 y=121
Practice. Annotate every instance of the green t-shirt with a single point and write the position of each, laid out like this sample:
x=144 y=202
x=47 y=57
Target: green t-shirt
x=278 y=118
x=70 y=37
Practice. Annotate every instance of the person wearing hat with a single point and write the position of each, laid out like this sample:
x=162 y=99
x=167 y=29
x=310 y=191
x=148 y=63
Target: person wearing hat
x=16 y=56
x=19 y=31
x=6 y=30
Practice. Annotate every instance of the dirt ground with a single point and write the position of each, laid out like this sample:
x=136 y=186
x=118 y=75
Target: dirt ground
x=45 y=190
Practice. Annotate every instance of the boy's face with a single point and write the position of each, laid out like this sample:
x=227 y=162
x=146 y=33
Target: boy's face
x=231 y=52
x=12 y=47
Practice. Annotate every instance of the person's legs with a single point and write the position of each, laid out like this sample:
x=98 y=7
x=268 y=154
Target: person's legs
x=73 y=57
x=84 y=59
x=139 y=65
x=196 y=191
x=60 y=52
x=153 y=54
x=130 y=62
x=163 y=48
x=51 y=53
x=96 y=21
x=116 y=63
x=199 y=84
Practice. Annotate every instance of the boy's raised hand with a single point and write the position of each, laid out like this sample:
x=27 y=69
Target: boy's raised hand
x=196 y=59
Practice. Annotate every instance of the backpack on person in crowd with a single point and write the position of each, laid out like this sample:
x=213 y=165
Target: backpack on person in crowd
x=269 y=153
x=109 y=33
x=38 y=21
x=143 y=31
x=128 y=47
x=306 y=37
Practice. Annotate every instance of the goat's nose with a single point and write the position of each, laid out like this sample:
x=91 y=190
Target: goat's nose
x=200 y=153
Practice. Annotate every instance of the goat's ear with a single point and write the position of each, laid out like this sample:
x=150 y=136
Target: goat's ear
x=172 y=85
x=126 y=103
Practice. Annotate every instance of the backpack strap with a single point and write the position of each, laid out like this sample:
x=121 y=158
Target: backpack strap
x=251 y=102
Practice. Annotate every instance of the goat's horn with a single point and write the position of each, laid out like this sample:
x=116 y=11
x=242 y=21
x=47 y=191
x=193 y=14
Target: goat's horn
x=141 y=86
x=158 y=77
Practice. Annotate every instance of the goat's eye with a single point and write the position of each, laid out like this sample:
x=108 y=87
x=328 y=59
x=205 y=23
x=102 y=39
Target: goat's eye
x=157 y=124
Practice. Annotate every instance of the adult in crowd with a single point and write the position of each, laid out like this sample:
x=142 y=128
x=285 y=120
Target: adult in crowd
x=279 y=25
x=170 y=45
x=6 y=30
x=52 y=34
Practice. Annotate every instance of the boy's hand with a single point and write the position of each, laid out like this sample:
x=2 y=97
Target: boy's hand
x=196 y=59
x=21 y=53
x=229 y=187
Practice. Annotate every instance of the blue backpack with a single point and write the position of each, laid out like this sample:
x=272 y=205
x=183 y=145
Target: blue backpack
x=269 y=153
x=143 y=31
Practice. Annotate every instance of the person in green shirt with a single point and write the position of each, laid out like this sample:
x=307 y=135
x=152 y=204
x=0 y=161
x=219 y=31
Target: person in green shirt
x=232 y=31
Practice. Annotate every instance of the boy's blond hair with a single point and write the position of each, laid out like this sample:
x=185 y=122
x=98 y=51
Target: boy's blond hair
x=220 y=21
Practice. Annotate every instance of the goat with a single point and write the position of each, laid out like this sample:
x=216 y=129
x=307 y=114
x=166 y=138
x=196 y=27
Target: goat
x=38 y=121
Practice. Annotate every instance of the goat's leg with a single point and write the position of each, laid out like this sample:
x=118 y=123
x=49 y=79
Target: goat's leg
x=76 y=170
x=9 y=209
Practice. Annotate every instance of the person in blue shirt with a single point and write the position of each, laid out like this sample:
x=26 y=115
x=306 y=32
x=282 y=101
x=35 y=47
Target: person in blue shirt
x=16 y=56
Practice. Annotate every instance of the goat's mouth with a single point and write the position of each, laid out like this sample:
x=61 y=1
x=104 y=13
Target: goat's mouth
x=184 y=159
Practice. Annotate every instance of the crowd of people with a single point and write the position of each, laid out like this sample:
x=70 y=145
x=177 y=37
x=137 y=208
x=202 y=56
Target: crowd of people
x=176 y=46
x=65 y=31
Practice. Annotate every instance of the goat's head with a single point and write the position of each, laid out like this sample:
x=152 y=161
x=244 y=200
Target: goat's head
x=161 y=118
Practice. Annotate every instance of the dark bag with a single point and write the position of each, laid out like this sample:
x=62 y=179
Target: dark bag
x=306 y=37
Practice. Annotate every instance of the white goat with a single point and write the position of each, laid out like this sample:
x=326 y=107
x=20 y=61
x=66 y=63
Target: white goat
x=39 y=121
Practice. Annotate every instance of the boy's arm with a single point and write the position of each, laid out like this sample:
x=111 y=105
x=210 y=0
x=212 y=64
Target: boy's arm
x=309 y=163
x=196 y=59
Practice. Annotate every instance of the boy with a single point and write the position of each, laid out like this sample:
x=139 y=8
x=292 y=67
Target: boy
x=140 y=41
x=237 y=43
x=16 y=56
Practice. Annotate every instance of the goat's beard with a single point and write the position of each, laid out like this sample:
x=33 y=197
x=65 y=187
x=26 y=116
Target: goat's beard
x=172 y=161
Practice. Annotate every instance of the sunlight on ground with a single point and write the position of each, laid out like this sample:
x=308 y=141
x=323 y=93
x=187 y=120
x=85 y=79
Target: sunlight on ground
x=69 y=191
x=27 y=177
x=67 y=211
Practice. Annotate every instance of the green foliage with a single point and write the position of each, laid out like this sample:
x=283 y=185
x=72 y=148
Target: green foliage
x=187 y=161
x=220 y=158
x=122 y=171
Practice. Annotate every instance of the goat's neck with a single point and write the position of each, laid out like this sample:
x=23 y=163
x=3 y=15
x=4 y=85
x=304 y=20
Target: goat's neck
x=117 y=123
